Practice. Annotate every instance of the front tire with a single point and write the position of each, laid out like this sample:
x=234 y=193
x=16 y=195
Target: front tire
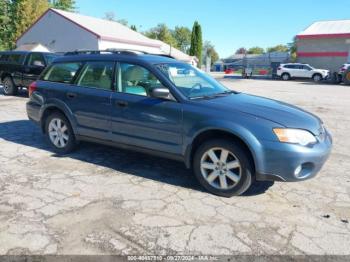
x=59 y=134
x=223 y=168
x=10 y=89
x=317 y=78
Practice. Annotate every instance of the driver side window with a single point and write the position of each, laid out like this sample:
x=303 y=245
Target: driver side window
x=136 y=80
x=36 y=59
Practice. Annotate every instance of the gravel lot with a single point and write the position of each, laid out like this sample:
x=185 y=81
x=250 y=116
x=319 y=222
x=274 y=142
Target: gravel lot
x=101 y=200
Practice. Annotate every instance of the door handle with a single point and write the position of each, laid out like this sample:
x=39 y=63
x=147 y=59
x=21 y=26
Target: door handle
x=71 y=95
x=122 y=103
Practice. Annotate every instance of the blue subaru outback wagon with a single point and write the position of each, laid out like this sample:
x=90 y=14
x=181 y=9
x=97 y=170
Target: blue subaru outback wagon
x=157 y=105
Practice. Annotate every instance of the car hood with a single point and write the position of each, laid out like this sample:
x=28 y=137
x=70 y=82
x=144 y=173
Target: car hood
x=321 y=71
x=273 y=110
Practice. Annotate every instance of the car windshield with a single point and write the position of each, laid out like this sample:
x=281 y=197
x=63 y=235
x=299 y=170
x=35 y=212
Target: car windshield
x=192 y=82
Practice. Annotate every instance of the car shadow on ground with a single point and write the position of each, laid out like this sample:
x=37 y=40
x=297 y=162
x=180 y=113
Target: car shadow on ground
x=24 y=132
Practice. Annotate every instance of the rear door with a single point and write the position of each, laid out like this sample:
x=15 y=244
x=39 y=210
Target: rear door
x=86 y=89
x=14 y=66
x=90 y=99
x=141 y=120
x=35 y=63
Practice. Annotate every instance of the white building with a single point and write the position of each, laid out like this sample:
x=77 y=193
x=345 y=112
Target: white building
x=61 y=31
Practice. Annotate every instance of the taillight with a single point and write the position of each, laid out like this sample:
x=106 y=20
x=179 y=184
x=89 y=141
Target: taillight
x=280 y=68
x=32 y=88
x=342 y=69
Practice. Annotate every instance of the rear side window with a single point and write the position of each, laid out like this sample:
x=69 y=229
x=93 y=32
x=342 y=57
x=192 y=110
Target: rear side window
x=61 y=72
x=15 y=58
x=290 y=66
x=97 y=75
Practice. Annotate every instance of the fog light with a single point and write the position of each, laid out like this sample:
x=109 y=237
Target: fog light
x=298 y=170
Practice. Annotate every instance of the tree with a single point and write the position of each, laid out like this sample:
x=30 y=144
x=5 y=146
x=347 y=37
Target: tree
x=182 y=36
x=209 y=51
x=5 y=29
x=110 y=16
x=278 y=48
x=196 y=42
x=241 y=51
x=293 y=49
x=255 y=50
x=25 y=12
x=133 y=27
x=162 y=33
x=66 y=5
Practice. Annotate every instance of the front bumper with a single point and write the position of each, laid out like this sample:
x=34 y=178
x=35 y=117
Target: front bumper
x=291 y=162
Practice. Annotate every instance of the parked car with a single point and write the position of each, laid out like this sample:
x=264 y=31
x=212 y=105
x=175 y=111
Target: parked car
x=157 y=105
x=19 y=68
x=344 y=74
x=294 y=70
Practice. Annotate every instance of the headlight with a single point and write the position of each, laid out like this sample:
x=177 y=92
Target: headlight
x=294 y=136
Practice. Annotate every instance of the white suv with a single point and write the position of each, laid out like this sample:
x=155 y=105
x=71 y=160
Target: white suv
x=288 y=71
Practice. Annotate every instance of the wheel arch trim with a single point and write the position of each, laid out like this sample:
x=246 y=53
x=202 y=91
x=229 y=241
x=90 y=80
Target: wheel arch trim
x=241 y=133
x=58 y=105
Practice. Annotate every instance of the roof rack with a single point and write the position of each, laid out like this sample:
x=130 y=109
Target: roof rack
x=107 y=51
x=113 y=51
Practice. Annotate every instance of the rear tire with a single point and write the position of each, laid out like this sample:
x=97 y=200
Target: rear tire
x=346 y=77
x=10 y=89
x=317 y=78
x=59 y=133
x=223 y=168
x=285 y=76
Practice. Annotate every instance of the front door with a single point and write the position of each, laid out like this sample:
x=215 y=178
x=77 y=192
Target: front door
x=141 y=120
x=306 y=71
x=34 y=65
x=90 y=99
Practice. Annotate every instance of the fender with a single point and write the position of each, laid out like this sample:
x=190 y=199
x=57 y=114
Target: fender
x=235 y=129
x=55 y=103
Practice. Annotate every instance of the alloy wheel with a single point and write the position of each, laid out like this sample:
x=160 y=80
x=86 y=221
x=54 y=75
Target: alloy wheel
x=6 y=86
x=58 y=133
x=285 y=77
x=220 y=168
x=317 y=78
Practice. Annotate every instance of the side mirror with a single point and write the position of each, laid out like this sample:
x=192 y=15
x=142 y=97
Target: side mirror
x=161 y=92
x=38 y=63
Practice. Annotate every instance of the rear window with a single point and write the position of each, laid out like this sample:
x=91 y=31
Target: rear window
x=61 y=72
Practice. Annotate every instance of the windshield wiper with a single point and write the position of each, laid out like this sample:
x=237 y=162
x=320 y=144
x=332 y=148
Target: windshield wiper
x=228 y=92
x=214 y=95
